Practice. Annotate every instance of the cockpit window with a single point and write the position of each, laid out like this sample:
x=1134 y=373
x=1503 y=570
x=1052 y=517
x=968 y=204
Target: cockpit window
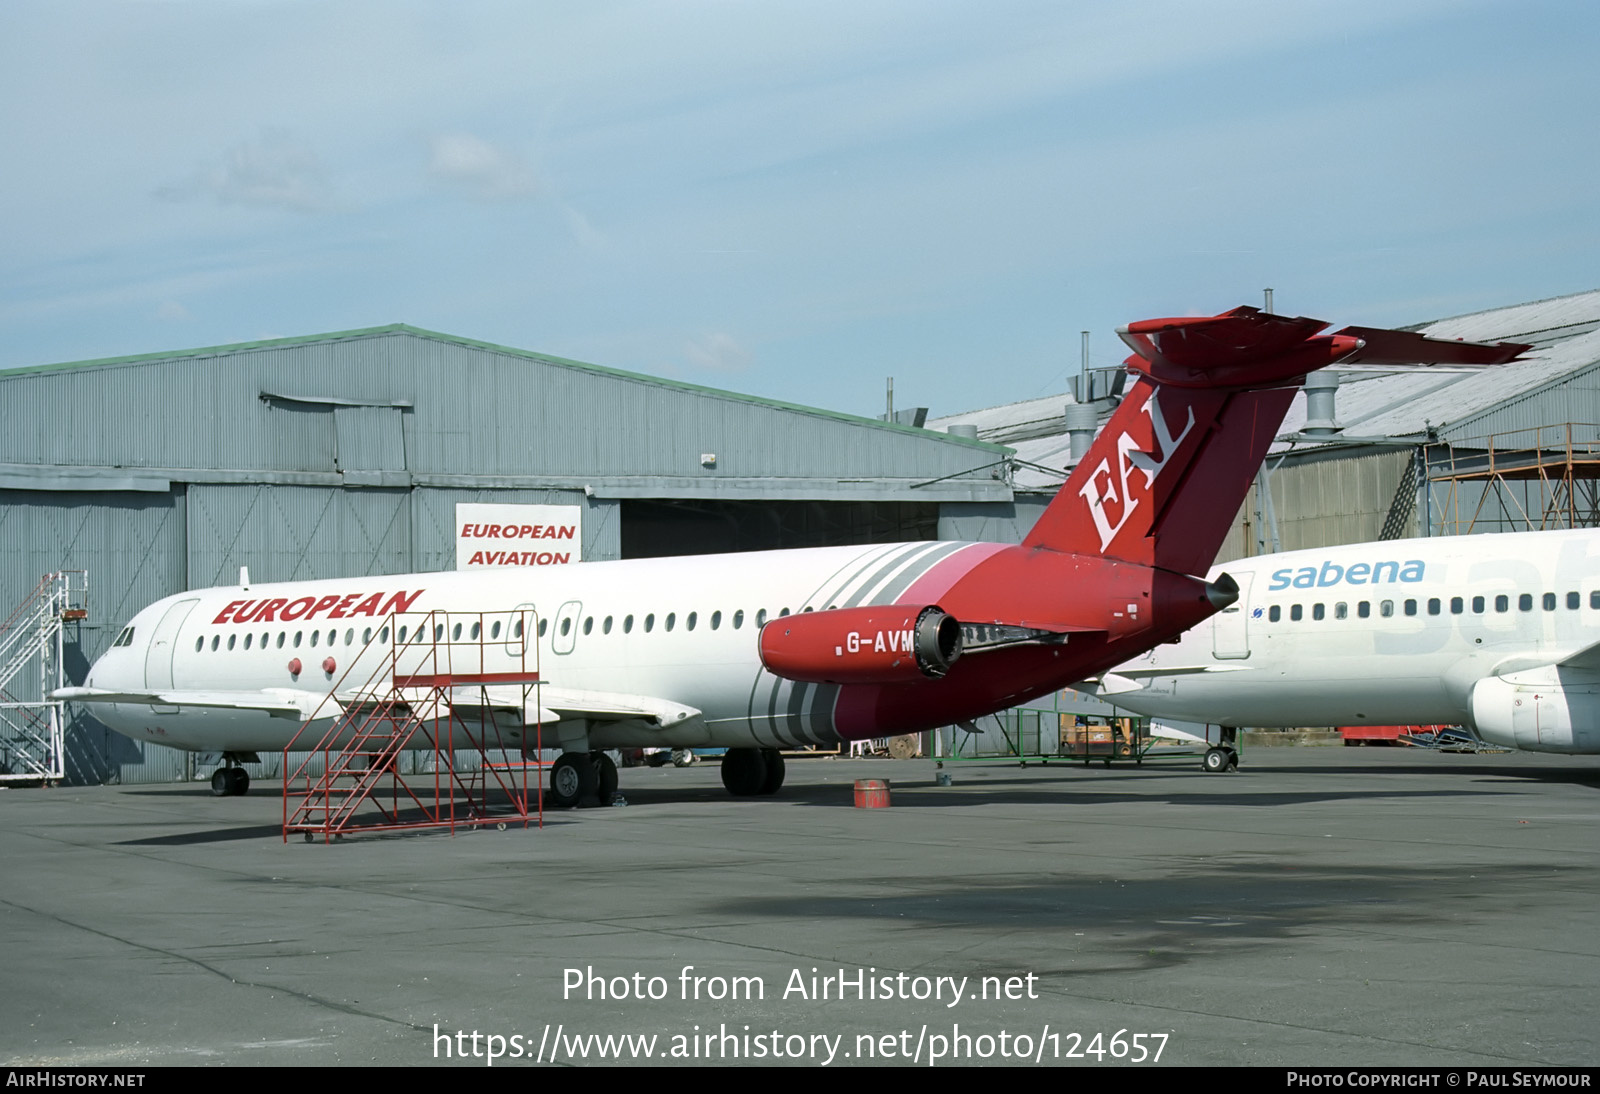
x=125 y=638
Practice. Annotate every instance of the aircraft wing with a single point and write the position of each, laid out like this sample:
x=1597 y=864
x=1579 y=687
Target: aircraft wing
x=1586 y=658
x=552 y=704
x=276 y=702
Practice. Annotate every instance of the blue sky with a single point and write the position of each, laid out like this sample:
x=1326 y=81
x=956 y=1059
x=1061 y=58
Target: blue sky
x=795 y=200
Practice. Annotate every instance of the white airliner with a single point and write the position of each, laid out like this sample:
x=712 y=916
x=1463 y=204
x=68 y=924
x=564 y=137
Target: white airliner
x=764 y=651
x=1500 y=633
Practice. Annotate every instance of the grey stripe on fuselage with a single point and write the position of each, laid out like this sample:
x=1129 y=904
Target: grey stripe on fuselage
x=808 y=708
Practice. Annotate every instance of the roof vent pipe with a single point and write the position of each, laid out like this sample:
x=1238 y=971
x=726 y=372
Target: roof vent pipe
x=1321 y=387
x=1081 y=419
x=970 y=432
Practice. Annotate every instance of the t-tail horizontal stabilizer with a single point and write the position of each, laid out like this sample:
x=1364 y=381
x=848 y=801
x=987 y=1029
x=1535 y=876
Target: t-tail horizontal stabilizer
x=1165 y=477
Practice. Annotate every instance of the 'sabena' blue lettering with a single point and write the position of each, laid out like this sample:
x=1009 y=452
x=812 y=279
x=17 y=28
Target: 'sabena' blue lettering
x=1359 y=573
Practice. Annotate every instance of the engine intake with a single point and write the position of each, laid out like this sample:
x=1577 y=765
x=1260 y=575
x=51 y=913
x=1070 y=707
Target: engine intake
x=890 y=644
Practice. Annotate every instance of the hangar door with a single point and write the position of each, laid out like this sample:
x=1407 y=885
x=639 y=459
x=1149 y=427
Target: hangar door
x=290 y=533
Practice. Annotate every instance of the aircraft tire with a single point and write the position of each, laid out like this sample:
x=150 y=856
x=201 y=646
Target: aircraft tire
x=605 y=777
x=1215 y=762
x=572 y=779
x=773 y=782
x=221 y=784
x=744 y=771
x=239 y=782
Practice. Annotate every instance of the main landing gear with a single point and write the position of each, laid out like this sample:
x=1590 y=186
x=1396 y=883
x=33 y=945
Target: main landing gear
x=1224 y=755
x=747 y=772
x=229 y=782
x=578 y=776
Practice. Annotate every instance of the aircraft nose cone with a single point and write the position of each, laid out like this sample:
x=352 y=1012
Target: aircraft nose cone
x=1222 y=592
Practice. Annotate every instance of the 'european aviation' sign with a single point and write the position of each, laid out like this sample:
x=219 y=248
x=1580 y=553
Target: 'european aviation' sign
x=491 y=536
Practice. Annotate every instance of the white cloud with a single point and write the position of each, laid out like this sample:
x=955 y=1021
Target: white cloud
x=481 y=170
x=273 y=171
x=718 y=352
x=171 y=311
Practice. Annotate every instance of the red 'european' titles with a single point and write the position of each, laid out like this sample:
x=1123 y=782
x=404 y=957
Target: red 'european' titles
x=284 y=610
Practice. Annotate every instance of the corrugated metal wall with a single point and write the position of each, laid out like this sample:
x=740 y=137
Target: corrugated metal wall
x=1326 y=502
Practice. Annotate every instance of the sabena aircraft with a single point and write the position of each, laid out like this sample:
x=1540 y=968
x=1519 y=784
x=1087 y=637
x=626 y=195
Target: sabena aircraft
x=766 y=651
x=1500 y=633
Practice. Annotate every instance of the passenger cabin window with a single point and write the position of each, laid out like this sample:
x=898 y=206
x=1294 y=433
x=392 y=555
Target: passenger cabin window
x=1525 y=602
x=199 y=644
x=649 y=622
x=477 y=629
x=1364 y=610
x=1341 y=610
x=716 y=620
x=1573 y=601
x=1502 y=603
x=588 y=625
x=216 y=640
x=627 y=624
x=738 y=619
x=605 y=628
x=544 y=625
x=1411 y=607
x=1434 y=605
x=494 y=631
x=1457 y=605
x=1295 y=613
x=672 y=619
x=761 y=618
x=688 y=624
x=1477 y=605
x=1316 y=611
x=1386 y=608
x=1274 y=613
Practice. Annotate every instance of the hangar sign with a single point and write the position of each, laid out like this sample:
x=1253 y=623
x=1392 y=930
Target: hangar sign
x=498 y=536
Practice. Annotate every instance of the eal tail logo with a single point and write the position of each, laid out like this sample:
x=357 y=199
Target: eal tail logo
x=1104 y=486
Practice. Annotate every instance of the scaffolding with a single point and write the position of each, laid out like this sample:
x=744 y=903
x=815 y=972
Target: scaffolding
x=31 y=744
x=460 y=690
x=1527 y=480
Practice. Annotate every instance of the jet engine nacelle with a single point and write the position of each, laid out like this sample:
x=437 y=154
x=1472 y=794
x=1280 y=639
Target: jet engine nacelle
x=892 y=644
x=1537 y=717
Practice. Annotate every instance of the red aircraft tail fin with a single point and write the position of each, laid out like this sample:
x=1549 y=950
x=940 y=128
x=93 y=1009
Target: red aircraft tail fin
x=1167 y=474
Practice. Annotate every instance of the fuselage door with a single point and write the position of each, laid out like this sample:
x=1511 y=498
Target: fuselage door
x=1230 y=628
x=565 y=627
x=524 y=618
x=163 y=644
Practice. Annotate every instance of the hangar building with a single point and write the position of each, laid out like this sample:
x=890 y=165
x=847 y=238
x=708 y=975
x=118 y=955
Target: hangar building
x=348 y=453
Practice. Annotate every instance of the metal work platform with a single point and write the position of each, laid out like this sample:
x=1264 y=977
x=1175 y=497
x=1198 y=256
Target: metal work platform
x=31 y=745
x=459 y=687
x=1527 y=480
